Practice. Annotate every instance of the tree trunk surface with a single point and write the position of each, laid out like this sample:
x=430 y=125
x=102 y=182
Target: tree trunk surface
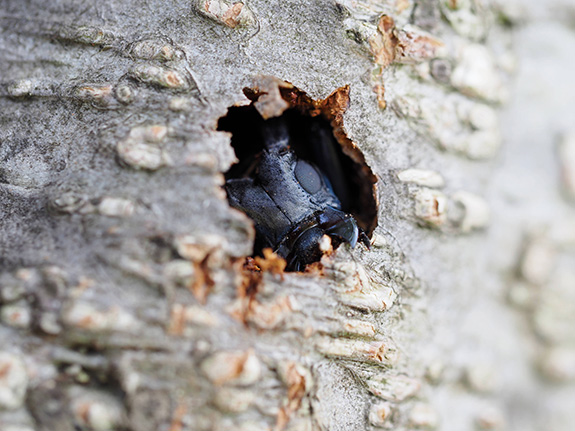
x=124 y=303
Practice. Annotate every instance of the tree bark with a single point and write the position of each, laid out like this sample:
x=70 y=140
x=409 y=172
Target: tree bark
x=123 y=297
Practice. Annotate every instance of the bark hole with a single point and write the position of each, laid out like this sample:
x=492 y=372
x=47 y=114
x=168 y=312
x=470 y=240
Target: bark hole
x=313 y=155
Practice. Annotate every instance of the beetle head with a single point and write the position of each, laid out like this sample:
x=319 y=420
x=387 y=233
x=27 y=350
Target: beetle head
x=303 y=244
x=305 y=250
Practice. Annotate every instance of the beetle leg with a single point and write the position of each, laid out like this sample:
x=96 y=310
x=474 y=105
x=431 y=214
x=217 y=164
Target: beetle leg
x=364 y=239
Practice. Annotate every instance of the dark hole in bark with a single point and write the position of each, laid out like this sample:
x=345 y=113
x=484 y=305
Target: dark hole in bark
x=245 y=124
x=352 y=182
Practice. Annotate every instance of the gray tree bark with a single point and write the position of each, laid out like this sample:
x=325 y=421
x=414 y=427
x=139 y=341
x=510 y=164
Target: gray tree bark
x=123 y=300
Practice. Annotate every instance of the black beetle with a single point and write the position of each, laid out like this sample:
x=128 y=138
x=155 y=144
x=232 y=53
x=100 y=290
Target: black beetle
x=292 y=201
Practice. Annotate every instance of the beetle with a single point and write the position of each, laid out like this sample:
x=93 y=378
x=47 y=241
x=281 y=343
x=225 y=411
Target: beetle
x=293 y=201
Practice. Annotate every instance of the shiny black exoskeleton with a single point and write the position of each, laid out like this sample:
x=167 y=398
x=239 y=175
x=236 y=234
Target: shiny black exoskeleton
x=291 y=201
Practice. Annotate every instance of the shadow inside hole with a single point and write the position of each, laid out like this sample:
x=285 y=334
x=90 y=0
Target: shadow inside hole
x=245 y=125
x=312 y=139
